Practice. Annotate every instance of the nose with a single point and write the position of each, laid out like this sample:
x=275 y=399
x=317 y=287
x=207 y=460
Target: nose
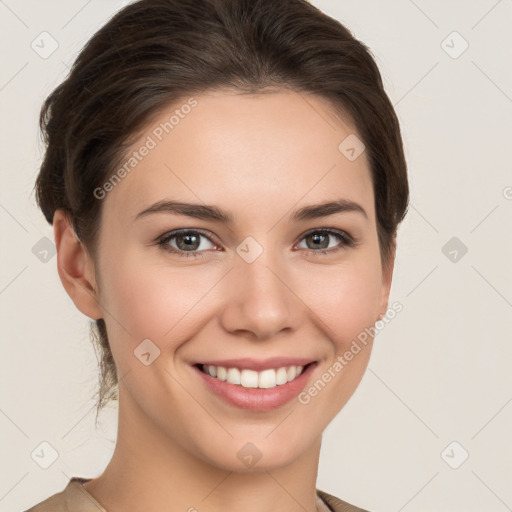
x=260 y=301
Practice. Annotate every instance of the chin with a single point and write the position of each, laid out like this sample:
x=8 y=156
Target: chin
x=256 y=456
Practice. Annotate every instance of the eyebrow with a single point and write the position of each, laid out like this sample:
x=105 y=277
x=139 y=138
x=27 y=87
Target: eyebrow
x=216 y=214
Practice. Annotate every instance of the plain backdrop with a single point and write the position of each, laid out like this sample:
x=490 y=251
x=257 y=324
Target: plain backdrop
x=429 y=427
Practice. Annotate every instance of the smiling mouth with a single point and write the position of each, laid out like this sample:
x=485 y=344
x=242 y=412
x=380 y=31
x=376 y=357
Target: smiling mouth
x=265 y=379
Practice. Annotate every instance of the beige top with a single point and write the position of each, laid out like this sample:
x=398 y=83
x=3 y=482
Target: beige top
x=75 y=498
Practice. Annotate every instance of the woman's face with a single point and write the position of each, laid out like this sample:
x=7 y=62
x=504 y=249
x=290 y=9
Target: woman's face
x=267 y=284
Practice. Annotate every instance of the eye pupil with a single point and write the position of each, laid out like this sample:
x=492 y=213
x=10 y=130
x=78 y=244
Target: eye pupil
x=190 y=240
x=317 y=238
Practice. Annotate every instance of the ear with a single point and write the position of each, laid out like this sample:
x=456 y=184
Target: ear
x=387 y=276
x=75 y=267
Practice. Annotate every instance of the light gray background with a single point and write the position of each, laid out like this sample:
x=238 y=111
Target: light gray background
x=440 y=371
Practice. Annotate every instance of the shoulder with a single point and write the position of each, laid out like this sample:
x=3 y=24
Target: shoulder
x=337 y=505
x=73 y=498
x=55 y=503
x=73 y=494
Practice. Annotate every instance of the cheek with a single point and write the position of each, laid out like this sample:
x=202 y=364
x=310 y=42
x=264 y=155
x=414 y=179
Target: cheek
x=170 y=305
x=346 y=304
x=156 y=302
x=344 y=299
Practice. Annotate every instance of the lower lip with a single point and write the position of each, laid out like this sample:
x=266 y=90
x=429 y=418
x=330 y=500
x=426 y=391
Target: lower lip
x=257 y=399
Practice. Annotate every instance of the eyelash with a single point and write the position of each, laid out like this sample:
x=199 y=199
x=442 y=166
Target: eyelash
x=347 y=242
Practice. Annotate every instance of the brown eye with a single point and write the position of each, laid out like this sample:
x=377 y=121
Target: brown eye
x=188 y=242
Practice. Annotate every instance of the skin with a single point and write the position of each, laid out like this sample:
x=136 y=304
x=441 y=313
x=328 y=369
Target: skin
x=261 y=157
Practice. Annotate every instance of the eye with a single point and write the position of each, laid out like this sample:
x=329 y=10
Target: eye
x=190 y=242
x=320 y=241
x=187 y=242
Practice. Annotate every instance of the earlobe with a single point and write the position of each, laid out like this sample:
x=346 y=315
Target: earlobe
x=75 y=268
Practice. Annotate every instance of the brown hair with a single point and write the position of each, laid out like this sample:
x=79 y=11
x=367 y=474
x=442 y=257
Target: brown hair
x=153 y=53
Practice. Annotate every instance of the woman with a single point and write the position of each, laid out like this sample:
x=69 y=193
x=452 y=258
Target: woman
x=225 y=179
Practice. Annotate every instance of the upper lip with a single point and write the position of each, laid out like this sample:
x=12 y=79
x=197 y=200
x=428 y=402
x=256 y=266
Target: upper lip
x=260 y=364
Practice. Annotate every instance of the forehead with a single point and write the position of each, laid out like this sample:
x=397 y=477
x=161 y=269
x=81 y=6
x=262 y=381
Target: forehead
x=267 y=150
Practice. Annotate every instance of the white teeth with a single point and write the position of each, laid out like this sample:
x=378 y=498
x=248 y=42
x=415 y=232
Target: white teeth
x=233 y=376
x=281 y=376
x=251 y=379
x=267 y=379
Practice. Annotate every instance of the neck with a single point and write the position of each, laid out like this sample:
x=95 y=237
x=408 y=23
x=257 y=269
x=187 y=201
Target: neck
x=150 y=471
